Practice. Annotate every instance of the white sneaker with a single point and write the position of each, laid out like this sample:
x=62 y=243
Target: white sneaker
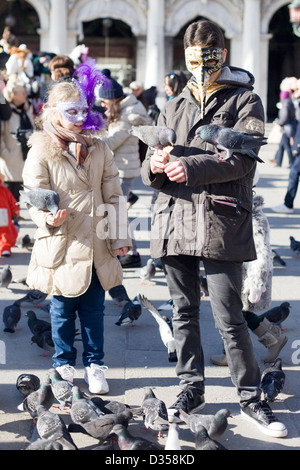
x=282 y=208
x=66 y=372
x=5 y=253
x=94 y=377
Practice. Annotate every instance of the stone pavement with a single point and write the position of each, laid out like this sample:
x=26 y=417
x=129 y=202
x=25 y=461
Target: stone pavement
x=136 y=356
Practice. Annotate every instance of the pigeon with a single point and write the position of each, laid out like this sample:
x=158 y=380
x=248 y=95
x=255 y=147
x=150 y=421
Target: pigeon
x=131 y=311
x=277 y=259
x=5 y=277
x=109 y=406
x=43 y=396
x=165 y=331
x=154 y=412
x=277 y=314
x=44 y=341
x=51 y=426
x=204 y=442
x=62 y=389
x=45 y=444
x=214 y=424
x=272 y=380
x=36 y=325
x=25 y=242
x=127 y=441
x=119 y=294
x=147 y=272
x=294 y=245
x=33 y=297
x=41 y=199
x=27 y=383
x=230 y=140
x=83 y=409
x=156 y=137
x=173 y=442
x=11 y=317
x=101 y=427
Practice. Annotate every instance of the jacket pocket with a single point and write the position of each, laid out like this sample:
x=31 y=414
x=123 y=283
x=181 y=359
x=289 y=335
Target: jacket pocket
x=228 y=227
x=49 y=250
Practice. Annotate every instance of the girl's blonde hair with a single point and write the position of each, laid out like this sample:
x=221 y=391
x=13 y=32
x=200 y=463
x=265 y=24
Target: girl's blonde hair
x=59 y=91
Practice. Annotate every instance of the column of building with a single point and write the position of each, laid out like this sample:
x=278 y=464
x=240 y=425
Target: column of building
x=58 y=27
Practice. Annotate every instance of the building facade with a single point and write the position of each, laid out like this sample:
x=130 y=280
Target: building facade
x=156 y=33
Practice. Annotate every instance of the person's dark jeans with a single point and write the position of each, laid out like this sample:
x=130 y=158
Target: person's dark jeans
x=90 y=309
x=284 y=145
x=224 y=283
x=293 y=183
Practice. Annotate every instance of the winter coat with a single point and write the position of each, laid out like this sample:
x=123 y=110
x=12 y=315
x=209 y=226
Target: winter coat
x=125 y=146
x=62 y=257
x=257 y=275
x=11 y=155
x=209 y=215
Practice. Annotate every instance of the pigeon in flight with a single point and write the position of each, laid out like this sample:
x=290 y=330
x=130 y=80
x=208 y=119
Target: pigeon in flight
x=131 y=311
x=5 y=277
x=156 y=137
x=272 y=380
x=11 y=317
x=41 y=199
x=165 y=330
x=277 y=314
x=230 y=140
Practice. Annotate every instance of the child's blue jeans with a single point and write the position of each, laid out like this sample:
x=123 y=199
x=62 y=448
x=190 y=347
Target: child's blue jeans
x=90 y=309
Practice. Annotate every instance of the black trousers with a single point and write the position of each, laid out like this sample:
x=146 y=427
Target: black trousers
x=224 y=281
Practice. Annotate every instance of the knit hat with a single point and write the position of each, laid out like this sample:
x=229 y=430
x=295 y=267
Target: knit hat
x=284 y=95
x=114 y=91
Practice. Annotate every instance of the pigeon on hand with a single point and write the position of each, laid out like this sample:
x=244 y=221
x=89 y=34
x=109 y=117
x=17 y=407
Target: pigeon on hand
x=127 y=441
x=294 y=245
x=33 y=297
x=11 y=317
x=277 y=314
x=277 y=259
x=214 y=424
x=44 y=341
x=156 y=137
x=131 y=311
x=62 y=389
x=41 y=199
x=147 y=272
x=43 y=396
x=5 y=277
x=204 y=442
x=51 y=426
x=27 y=383
x=45 y=444
x=119 y=294
x=165 y=330
x=154 y=412
x=231 y=141
x=272 y=380
x=173 y=442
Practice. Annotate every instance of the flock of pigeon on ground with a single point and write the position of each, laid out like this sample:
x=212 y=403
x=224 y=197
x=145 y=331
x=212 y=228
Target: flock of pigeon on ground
x=109 y=421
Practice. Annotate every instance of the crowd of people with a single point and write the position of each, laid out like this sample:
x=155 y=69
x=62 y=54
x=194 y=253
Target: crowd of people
x=86 y=154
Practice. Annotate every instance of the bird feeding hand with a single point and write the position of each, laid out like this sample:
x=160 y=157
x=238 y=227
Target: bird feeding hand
x=159 y=163
x=58 y=219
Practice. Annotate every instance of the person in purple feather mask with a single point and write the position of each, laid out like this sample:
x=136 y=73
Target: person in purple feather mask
x=75 y=254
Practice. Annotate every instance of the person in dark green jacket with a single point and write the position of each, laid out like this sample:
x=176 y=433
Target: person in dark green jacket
x=203 y=212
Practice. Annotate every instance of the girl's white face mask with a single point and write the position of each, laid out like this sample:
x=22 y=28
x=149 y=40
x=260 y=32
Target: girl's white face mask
x=202 y=62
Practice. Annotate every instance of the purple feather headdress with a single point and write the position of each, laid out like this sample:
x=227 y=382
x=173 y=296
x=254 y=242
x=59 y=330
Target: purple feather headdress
x=87 y=76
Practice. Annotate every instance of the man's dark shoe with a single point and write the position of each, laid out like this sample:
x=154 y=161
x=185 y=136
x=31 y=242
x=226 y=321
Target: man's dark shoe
x=132 y=199
x=131 y=261
x=189 y=400
x=261 y=414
